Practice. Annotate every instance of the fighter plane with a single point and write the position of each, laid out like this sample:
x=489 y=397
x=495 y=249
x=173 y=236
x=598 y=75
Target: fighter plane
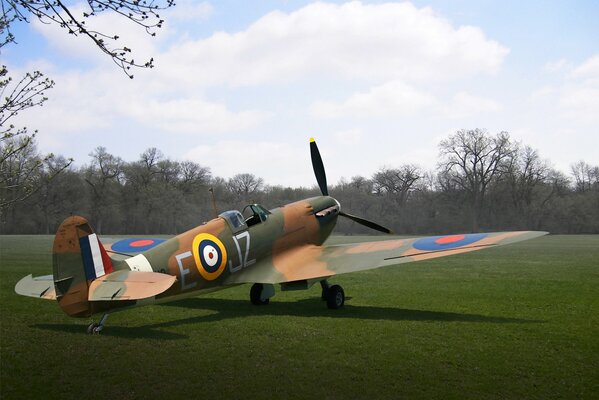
x=284 y=246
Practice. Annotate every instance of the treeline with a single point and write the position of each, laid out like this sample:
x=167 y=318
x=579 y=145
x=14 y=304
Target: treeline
x=483 y=182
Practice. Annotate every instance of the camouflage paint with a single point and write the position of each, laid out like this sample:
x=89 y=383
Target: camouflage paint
x=286 y=249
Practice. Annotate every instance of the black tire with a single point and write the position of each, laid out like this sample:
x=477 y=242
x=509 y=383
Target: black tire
x=255 y=293
x=335 y=297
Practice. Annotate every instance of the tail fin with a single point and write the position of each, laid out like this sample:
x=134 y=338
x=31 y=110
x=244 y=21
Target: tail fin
x=78 y=259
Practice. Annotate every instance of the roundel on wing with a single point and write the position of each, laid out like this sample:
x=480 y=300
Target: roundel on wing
x=436 y=243
x=210 y=256
x=135 y=245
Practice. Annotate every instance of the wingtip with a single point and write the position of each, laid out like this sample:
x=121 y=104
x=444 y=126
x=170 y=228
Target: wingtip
x=312 y=140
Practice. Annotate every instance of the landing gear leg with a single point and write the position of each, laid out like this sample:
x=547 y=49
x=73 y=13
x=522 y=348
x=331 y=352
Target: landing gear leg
x=95 y=328
x=325 y=288
x=260 y=294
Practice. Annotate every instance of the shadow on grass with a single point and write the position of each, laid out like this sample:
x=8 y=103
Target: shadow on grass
x=229 y=308
x=131 y=332
x=311 y=308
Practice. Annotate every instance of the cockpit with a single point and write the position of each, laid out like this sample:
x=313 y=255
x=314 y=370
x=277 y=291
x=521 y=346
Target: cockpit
x=255 y=214
x=252 y=214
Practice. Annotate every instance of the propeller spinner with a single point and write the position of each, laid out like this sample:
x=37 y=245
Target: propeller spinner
x=321 y=178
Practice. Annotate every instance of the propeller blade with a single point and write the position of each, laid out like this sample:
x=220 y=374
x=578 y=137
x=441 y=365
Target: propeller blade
x=365 y=222
x=318 y=166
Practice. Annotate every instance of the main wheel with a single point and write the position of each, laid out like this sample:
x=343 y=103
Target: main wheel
x=335 y=297
x=255 y=293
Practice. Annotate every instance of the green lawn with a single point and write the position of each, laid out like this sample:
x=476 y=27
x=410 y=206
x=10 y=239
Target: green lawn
x=514 y=322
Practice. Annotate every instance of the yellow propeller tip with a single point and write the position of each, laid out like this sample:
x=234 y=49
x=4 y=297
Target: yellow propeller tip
x=312 y=140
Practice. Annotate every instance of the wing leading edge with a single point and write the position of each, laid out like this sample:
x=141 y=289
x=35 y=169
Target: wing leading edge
x=313 y=262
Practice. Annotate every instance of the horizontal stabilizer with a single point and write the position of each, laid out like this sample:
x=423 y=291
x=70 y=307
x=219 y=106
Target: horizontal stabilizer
x=129 y=285
x=41 y=287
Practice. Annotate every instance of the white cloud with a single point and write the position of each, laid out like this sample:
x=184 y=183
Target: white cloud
x=350 y=137
x=581 y=104
x=376 y=43
x=464 y=105
x=588 y=69
x=579 y=98
x=188 y=10
x=191 y=115
x=261 y=158
x=556 y=66
x=393 y=98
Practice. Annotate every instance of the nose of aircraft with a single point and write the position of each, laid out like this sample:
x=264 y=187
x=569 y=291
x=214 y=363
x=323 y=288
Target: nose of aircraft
x=321 y=179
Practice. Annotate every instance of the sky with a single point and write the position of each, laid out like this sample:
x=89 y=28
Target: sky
x=241 y=86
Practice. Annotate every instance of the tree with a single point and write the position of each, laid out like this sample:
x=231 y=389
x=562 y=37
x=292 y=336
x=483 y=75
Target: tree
x=586 y=177
x=472 y=160
x=143 y=13
x=59 y=196
x=20 y=163
x=30 y=90
x=245 y=185
x=103 y=176
x=396 y=182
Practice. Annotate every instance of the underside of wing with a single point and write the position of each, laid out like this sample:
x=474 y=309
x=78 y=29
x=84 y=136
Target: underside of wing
x=313 y=262
x=41 y=287
x=129 y=285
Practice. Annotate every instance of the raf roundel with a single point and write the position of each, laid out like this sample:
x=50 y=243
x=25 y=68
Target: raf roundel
x=135 y=245
x=210 y=256
x=437 y=243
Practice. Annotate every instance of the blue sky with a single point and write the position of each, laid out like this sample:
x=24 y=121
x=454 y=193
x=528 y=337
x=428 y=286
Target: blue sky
x=240 y=86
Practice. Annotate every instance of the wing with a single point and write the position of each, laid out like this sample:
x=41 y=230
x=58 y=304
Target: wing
x=313 y=262
x=41 y=287
x=130 y=247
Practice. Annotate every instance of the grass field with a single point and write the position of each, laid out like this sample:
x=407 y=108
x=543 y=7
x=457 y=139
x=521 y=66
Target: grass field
x=514 y=322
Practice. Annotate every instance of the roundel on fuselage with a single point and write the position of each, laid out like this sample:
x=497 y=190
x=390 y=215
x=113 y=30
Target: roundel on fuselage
x=210 y=256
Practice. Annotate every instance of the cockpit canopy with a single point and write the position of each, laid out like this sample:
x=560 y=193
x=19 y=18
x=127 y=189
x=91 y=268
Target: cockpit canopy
x=252 y=214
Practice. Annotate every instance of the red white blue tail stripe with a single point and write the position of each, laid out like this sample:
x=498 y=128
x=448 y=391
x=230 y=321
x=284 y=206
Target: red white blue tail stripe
x=95 y=259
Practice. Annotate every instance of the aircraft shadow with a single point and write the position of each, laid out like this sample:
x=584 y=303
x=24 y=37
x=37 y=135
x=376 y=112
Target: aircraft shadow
x=312 y=307
x=116 y=331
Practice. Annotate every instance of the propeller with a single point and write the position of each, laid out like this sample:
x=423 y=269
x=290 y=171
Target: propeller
x=318 y=166
x=321 y=178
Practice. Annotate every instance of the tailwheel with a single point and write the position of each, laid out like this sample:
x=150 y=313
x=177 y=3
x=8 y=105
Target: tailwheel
x=96 y=327
x=92 y=328
x=335 y=297
x=256 y=295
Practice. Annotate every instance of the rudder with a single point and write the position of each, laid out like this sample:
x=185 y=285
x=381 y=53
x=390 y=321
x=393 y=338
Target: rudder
x=78 y=259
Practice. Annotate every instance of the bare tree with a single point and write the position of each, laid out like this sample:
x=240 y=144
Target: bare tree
x=586 y=177
x=103 y=176
x=396 y=182
x=472 y=159
x=193 y=175
x=362 y=184
x=526 y=172
x=30 y=90
x=245 y=185
x=143 y=13
x=20 y=163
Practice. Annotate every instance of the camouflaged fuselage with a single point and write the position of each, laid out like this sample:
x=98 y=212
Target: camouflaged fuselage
x=238 y=249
